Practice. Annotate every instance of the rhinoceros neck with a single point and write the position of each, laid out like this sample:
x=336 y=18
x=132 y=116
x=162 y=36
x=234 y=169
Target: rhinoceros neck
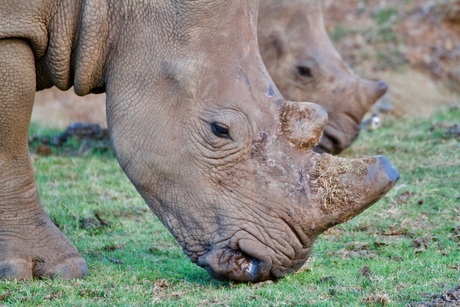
x=92 y=44
x=77 y=44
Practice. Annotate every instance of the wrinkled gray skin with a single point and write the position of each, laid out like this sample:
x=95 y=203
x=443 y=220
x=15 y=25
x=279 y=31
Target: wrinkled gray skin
x=197 y=125
x=305 y=66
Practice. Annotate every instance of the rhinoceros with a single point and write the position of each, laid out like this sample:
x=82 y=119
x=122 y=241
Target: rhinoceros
x=305 y=66
x=198 y=126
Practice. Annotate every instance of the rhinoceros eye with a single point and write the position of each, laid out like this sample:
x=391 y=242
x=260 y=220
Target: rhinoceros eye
x=220 y=130
x=304 y=71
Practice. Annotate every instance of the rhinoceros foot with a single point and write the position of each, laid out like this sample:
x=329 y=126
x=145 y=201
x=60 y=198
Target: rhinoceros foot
x=38 y=250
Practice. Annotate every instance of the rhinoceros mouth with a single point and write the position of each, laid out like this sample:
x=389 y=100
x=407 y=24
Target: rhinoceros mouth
x=235 y=264
x=334 y=140
x=329 y=143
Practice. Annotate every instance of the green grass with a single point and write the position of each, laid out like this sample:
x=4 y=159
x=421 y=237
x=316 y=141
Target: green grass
x=400 y=251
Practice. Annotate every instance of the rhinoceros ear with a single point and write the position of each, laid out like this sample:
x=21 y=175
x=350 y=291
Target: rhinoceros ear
x=277 y=43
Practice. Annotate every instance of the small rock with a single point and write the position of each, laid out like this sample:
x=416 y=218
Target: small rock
x=372 y=122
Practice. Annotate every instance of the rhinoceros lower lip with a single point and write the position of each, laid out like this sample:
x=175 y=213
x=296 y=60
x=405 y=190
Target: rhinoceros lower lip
x=231 y=264
x=228 y=264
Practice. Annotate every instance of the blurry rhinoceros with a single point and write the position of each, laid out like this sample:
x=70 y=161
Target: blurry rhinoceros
x=197 y=125
x=305 y=66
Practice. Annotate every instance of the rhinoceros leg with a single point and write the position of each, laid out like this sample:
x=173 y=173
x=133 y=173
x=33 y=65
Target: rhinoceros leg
x=30 y=244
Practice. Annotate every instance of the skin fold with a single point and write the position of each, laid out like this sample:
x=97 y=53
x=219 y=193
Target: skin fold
x=197 y=125
x=305 y=66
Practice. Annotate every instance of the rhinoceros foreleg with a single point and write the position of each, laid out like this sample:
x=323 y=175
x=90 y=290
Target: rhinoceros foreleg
x=30 y=244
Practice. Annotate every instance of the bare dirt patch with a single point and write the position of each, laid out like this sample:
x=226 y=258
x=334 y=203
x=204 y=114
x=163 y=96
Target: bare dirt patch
x=414 y=46
x=447 y=298
x=57 y=109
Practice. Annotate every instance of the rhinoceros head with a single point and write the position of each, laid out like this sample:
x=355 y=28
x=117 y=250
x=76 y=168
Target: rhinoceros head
x=218 y=154
x=305 y=66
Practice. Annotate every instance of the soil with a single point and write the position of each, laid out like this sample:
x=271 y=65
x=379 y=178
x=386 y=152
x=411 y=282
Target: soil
x=414 y=46
x=57 y=109
x=447 y=298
